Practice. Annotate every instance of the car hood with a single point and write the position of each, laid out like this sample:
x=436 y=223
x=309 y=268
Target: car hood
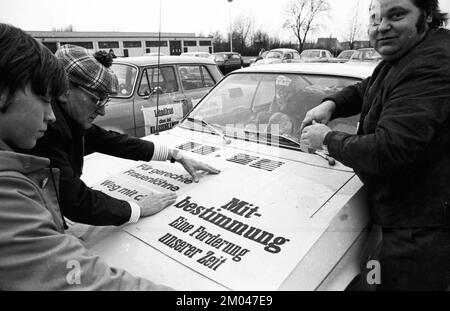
x=290 y=195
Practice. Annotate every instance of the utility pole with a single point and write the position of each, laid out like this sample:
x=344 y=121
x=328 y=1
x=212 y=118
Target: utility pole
x=231 y=29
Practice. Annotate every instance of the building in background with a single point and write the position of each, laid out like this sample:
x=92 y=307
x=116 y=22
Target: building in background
x=126 y=44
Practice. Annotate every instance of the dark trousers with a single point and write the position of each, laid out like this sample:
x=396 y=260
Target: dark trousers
x=415 y=259
x=410 y=259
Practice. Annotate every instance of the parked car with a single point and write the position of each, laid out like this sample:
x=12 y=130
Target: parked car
x=343 y=57
x=366 y=55
x=247 y=60
x=199 y=54
x=176 y=87
x=260 y=56
x=154 y=54
x=315 y=56
x=275 y=218
x=277 y=56
x=228 y=61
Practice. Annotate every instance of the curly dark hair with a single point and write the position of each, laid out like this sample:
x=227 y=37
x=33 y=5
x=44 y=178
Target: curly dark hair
x=431 y=8
x=104 y=58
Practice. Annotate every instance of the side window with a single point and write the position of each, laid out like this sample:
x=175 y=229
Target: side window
x=163 y=77
x=195 y=77
x=144 y=85
x=127 y=76
x=207 y=79
x=296 y=55
x=167 y=80
x=355 y=55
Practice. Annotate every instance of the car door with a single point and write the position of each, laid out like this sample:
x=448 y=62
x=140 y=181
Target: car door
x=159 y=100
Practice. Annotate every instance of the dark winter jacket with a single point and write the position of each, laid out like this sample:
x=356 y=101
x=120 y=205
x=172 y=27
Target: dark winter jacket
x=35 y=254
x=65 y=144
x=402 y=148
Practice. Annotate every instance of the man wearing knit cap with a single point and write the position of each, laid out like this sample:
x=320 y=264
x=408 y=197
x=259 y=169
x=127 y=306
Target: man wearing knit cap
x=73 y=135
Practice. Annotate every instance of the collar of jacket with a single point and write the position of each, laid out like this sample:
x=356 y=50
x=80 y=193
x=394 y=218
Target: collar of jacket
x=4 y=146
x=23 y=163
x=64 y=122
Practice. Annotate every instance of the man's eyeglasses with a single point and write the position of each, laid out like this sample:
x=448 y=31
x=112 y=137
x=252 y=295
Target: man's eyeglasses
x=101 y=102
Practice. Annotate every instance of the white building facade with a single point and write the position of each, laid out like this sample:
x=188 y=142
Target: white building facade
x=125 y=44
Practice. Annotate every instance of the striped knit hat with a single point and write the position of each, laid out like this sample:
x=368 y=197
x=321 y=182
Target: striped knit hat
x=82 y=68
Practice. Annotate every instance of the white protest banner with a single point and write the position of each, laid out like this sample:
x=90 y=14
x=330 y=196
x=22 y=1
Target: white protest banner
x=168 y=116
x=242 y=237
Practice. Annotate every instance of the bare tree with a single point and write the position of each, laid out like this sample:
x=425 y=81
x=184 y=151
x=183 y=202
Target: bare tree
x=219 y=43
x=355 y=26
x=69 y=28
x=260 y=39
x=243 y=27
x=303 y=17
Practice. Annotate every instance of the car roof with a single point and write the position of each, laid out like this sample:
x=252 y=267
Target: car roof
x=193 y=53
x=314 y=50
x=152 y=60
x=353 y=70
x=226 y=53
x=283 y=50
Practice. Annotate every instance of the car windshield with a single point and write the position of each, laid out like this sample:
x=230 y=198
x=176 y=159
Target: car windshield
x=311 y=54
x=245 y=105
x=274 y=54
x=366 y=55
x=346 y=54
x=126 y=74
x=371 y=55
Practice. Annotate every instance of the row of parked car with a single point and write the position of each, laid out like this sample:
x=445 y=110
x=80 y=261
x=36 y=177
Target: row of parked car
x=315 y=56
x=183 y=80
x=226 y=61
x=229 y=61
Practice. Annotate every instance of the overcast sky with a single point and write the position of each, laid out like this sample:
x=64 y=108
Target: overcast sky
x=196 y=16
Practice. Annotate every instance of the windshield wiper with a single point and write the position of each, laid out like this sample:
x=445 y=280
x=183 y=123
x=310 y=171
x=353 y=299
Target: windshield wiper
x=210 y=127
x=281 y=139
x=290 y=142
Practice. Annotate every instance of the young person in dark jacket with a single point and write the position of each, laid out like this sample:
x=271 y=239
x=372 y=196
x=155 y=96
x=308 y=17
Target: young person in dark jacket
x=73 y=135
x=401 y=150
x=35 y=254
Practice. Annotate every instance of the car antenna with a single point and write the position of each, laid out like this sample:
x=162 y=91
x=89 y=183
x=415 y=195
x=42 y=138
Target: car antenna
x=159 y=72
